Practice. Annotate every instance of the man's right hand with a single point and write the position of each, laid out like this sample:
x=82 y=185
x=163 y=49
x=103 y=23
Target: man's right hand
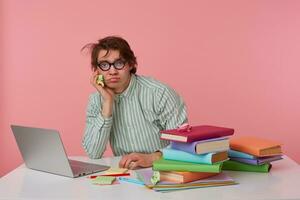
x=107 y=94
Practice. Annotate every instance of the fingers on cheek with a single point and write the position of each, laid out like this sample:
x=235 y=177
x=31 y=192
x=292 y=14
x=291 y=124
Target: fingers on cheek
x=93 y=79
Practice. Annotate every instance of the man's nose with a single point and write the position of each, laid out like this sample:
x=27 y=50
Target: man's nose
x=113 y=70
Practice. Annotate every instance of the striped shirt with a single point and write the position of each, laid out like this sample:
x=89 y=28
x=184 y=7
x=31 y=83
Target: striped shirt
x=139 y=114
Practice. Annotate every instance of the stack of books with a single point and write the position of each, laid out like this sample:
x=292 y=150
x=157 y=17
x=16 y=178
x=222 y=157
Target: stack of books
x=250 y=153
x=147 y=175
x=194 y=156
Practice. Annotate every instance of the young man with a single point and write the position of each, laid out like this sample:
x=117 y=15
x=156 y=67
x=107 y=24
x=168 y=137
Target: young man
x=129 y=110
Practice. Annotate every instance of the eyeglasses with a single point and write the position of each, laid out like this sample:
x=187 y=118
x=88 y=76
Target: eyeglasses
x=105 y=65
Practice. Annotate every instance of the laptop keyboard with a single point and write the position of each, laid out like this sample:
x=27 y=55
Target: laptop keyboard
x=78 y=166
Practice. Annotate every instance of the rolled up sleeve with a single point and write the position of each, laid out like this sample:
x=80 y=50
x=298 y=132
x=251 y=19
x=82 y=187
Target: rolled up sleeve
x=97 y=130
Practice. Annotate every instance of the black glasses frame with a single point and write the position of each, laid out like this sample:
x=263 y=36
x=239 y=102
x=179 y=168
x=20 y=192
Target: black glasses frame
x=110 y=64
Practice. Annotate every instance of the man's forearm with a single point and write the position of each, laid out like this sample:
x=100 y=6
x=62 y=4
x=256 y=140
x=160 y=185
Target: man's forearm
x=107 y=109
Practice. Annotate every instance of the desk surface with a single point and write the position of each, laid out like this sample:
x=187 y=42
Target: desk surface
x=283 y=182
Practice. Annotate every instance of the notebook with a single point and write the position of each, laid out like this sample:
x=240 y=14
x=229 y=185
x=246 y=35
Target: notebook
x=43 y=150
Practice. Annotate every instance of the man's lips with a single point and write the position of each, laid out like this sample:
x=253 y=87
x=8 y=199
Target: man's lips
x=113 y=80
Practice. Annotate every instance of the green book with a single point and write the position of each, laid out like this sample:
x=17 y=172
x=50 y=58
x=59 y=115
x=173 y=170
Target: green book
x=238 y=166
x=172 y=165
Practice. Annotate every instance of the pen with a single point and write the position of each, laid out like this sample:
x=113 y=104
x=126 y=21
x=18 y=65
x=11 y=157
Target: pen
x=131 y=180
x=94 y=176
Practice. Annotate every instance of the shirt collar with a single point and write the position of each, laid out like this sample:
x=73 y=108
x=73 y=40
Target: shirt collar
x=129 y=90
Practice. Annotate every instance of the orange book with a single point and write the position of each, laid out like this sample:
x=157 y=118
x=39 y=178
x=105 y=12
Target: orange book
x=184 y=177
x=255 y=146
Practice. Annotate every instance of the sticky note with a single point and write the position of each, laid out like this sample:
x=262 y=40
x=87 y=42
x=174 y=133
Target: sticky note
x=155 y=177
x=103 y=180
x=100 y=80
x=115 y=171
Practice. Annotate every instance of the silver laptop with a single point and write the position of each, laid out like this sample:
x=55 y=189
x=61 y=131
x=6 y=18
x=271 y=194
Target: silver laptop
x=43 y=150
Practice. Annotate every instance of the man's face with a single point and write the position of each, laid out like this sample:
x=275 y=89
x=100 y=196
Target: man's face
x=115 y=79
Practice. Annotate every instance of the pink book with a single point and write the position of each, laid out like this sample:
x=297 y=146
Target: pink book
x=195 y=133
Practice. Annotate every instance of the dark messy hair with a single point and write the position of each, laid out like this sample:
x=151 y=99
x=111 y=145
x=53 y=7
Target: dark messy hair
x=112 y=43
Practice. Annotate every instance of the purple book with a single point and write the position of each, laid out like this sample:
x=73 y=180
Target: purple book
x=257 y=161
x=204 y=146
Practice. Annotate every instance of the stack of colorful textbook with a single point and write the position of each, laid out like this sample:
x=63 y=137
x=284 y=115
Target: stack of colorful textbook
x=194 y=158
x=249 y=153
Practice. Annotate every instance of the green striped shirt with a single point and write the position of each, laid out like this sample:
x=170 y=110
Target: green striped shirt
x=139 y=113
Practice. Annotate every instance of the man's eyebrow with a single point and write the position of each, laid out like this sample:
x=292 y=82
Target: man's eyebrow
x=109 y=61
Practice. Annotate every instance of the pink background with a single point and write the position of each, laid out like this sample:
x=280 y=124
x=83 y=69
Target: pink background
x=236 y=63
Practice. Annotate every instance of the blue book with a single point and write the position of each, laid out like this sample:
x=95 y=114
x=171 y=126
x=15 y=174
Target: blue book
x=208 y=158
x=238 y=154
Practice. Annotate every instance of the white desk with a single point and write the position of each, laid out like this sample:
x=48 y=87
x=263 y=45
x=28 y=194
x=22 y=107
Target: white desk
x=283 y=182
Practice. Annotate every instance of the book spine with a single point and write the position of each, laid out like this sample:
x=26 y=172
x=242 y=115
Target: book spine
x=189 y=167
